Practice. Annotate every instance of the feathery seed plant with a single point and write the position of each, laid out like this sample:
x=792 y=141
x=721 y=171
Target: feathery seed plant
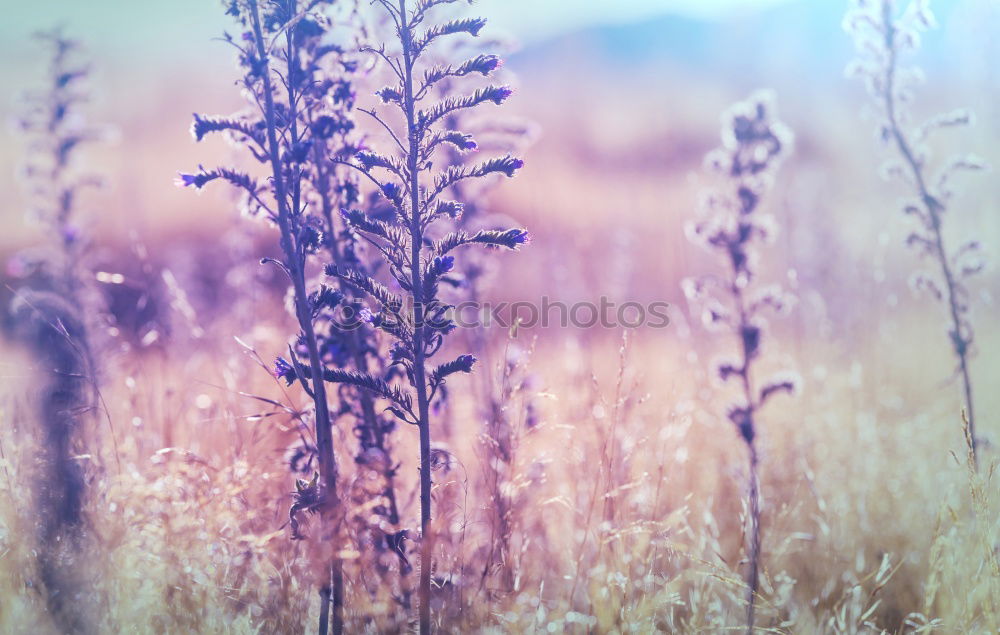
x=52 y=317
x=753 y=144
x=883 y=34
x=56 y=131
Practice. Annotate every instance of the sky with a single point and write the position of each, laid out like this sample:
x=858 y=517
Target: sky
x=537 y=19
x=128 y=24
x=154 y=61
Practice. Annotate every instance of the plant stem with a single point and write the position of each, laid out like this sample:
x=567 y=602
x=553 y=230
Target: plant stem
x=416 y=276
x=754 y=574
x=337 y=574
x=933 y=207
x=295 y=263
x=357 y=344
x=324 y=608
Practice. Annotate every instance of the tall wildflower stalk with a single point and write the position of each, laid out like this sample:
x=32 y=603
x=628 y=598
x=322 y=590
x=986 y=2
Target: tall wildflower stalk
x=53 y=125
x=335 y=138
x=51 y=316
x=753 y=144
x=419 y=320
x=298 y=85
x=883 y=34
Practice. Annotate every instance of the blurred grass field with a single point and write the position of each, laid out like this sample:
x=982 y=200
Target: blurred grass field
x=628 y=488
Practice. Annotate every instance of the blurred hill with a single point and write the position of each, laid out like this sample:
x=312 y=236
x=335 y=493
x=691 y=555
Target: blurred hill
x=626 y=111
x=795 y=41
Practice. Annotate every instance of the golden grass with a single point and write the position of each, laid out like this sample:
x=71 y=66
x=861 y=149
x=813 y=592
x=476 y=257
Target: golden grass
x=626 y=498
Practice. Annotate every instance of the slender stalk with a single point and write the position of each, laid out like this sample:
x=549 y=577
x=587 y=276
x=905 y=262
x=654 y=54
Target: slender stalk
x=494 y=416
x=324 y=607
x=376 y=436
x=933 y=207
x=337 y=575
x=753 y=554
x=753 y=577
x=754 y=143
x=295 y=265
x=417 y=205
x=416 y=274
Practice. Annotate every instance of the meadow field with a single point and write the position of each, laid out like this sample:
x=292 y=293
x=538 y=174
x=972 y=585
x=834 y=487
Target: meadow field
x=815 y=459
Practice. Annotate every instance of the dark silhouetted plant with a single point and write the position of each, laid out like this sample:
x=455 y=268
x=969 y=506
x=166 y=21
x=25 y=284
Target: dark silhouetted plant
x=298 y=83
x=418 y=194
x=883 y=34
x=753 y=144
x=328 y=114
x=51 y=316
x=55 y=132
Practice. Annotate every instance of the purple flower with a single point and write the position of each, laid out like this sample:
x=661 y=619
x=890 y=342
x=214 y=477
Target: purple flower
x=452 y=209
x=464 y=363
x=465 y=142
x=498 y=94
x=299 y=152
x=484 y=64
x=516 y=237
x=475 y=26
x=440 y=266
x=343 y=93
x=310 y=237
x=196 y=181
x=200 y=127
x=392 y=191
x=460 y=140
x=326 y=126
x=513 y=166
x=370 y=160
x=507 y=165
x=461 y=364
x=284 y=370
x=388 y=94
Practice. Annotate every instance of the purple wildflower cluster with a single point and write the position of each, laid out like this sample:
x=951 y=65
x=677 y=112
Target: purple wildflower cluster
x=417 y=202
x=300 y=83
x=371 y=214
